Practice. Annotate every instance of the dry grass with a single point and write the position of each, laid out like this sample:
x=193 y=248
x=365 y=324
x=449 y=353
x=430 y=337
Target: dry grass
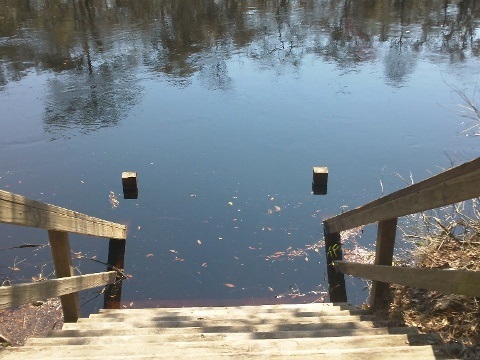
x=448 y=238
x=30 y=320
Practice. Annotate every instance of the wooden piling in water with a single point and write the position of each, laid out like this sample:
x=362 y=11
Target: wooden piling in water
x=130 y=185
x=320 y=180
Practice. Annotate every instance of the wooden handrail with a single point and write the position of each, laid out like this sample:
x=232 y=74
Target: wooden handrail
x=460 y=282
x=454 y=185
x=16 y=295
x=18 y=210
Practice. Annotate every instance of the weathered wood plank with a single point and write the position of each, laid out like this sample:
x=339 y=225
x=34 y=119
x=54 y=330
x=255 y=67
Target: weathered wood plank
x=18 y=210
x=286 y=351
x=446 y=281
x=233 y=326
x=218 y=319
x=457 y=184
x=237 y=343
x=188 y=334
x=16 y=295
x=385 y=245
x=62 y=259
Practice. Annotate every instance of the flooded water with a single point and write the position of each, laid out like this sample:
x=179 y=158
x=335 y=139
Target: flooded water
x=223 y=108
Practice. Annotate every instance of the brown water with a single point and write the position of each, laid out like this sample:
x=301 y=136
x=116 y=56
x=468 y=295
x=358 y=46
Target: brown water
x=223 y=108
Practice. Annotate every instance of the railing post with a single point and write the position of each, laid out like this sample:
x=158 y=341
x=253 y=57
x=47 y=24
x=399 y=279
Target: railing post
x=336 y=280
x=383 y=256
x=62 y=260
x=116 y=258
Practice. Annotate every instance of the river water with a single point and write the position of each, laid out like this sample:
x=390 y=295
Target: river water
x=223 y=108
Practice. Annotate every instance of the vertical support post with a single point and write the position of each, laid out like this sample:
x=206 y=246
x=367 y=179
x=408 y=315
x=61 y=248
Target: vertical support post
x=386 y=233
x=336 y=280
x=62 y=260
x=116 y=258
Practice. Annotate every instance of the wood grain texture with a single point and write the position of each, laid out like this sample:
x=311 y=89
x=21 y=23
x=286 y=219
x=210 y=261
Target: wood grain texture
x=446 y=281
x=18 y=210
x=385 y=244
x=457 y=184
x=16 y=295
x=62 y=259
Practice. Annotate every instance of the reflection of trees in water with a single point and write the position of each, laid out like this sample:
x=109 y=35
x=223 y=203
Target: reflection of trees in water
x=400 y=59
x=399 y=62
x=98 y=100
x=98 y=43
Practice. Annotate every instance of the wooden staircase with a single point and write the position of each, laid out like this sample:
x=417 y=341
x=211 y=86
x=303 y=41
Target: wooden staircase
x=313 y=331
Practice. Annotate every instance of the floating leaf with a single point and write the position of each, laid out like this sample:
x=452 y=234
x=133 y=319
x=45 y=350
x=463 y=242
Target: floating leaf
x=229 y=285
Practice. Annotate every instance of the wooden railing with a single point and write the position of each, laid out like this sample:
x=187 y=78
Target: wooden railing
x=455 y=185
x=18 y=210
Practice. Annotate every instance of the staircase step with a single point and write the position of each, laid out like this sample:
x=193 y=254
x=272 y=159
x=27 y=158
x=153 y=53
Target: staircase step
x=236 y=342
x=216 y=319
x=121 y=351
x=174 y=334
x=218 y=326
x=314 y=331
x=326 y=308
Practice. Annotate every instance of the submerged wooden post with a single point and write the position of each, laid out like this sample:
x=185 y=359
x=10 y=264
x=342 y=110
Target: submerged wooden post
x=130 y=185
x=320 y=180
x=336 y=279
x=386 y=233
x=62 y=260
x=116 y=260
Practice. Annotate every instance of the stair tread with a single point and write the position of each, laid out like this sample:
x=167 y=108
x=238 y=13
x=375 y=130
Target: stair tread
x=319 y=331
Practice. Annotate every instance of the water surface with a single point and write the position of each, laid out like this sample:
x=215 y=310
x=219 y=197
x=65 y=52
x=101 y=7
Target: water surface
x=223 y=108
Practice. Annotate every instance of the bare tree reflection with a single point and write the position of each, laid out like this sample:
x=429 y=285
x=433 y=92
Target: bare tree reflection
x=95 y=46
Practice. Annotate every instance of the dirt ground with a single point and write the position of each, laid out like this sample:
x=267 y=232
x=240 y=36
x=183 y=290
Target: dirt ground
x=31 y=320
